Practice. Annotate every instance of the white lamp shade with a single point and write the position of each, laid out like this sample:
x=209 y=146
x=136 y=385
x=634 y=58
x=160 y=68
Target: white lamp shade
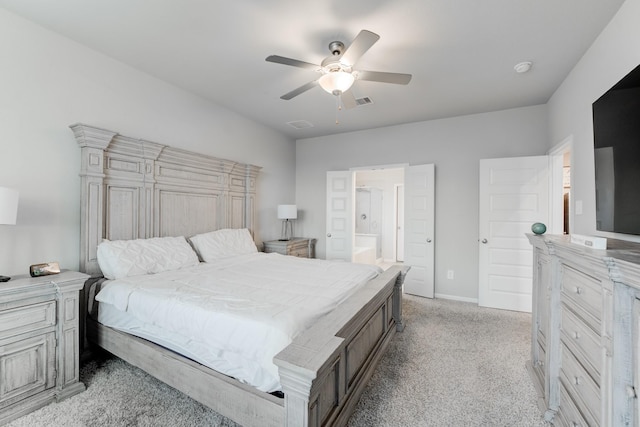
x=336 y=80
x=287 y=212
x=8 y=205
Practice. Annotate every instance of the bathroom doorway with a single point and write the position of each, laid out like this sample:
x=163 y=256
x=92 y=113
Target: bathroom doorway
x=376 y=208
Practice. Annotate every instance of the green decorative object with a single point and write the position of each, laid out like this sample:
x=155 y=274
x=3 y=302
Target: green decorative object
x=538 y=228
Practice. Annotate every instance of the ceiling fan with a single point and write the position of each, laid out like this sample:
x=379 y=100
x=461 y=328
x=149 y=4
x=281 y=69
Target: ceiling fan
x=338 y=74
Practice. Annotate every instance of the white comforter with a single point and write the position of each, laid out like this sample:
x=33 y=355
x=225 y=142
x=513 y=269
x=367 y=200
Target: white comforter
x=236 y=314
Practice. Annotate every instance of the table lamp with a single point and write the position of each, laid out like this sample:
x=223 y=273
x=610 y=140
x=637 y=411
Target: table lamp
x=287 y=213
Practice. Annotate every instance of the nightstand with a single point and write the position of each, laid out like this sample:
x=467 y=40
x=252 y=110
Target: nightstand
x=296 y=246
x=39 y=342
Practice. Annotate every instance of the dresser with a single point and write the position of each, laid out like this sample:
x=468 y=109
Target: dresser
x=585 y=338
x=296 y=246
x=39 y=342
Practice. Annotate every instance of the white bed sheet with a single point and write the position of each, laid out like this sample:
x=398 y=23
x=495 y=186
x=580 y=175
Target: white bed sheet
x=233 y=315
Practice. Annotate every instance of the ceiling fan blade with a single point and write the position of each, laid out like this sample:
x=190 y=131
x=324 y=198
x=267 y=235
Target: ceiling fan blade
x=293 y=62
x=377 y=76
x=363 y=41
x=348 y=99
x=298 y=91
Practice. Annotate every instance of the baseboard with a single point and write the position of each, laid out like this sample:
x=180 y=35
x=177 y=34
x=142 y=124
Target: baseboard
x=457 y=298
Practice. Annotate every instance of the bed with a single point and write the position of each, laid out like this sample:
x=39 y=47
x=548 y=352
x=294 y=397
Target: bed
x=133 y=189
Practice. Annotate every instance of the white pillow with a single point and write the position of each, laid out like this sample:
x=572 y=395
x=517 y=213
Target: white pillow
x=125 y=258
x=223 y=243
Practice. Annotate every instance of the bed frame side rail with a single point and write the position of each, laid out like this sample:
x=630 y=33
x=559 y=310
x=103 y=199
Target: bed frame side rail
x=227 y=396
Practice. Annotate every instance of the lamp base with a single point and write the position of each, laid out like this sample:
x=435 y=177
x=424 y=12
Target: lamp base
x=4 y=278
x=287 y=230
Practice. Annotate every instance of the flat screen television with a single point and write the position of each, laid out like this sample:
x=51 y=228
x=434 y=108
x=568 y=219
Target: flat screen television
x=616 y=131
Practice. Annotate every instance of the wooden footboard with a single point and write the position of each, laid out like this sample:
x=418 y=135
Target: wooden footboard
x=323 y=372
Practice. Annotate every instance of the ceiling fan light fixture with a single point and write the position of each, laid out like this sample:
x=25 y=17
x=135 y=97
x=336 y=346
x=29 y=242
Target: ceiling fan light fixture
x=336 y=81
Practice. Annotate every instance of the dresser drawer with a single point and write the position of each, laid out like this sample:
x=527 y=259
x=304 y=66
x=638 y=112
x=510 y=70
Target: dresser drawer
x=569 y=415
x=298 y=247
x=581 y=386
x=299 y=252
x=27 y=367
x=29 y=318
x=582 y=341
x=583 y=293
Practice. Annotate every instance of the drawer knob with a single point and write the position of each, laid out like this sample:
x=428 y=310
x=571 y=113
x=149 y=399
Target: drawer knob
x=577 y=380
x=578 y=290
x=576 y=335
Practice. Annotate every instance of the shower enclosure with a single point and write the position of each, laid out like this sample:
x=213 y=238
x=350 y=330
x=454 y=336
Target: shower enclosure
x=368 y=225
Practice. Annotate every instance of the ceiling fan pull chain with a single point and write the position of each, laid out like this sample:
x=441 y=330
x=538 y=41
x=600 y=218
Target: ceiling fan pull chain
x=338 y=108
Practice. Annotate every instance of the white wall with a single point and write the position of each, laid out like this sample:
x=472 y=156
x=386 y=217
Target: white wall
x=455 y=146
x=48 y=82
x=611 y=57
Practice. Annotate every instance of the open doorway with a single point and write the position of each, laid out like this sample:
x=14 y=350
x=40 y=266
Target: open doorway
x=561 y=199
x=417 y=210
x=378 y=212
x=566 y=192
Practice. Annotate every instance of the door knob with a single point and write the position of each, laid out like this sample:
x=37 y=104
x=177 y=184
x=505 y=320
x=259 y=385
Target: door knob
x=428 y=240
x=485 y=241
x=328 y=234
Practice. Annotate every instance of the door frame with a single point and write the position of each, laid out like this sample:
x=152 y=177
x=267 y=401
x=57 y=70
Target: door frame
x=354 y=170
x=556 y=185
x=398 y=208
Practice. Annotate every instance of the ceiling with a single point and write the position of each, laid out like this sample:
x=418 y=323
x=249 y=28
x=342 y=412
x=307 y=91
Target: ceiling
x=461 y=53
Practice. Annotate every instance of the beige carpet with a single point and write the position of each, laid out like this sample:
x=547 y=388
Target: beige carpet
x=454 y=365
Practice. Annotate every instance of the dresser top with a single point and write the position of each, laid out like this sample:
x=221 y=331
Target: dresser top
x=292 y=240
x=23 y=281
x=621 y=257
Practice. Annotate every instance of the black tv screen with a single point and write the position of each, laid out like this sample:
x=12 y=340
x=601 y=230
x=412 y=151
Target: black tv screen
x=616 y=131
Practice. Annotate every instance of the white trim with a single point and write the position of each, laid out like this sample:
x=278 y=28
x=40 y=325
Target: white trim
x=562 y=146
x=396 y=187
x=556 y=175
x=456 y=298
x=379 y=167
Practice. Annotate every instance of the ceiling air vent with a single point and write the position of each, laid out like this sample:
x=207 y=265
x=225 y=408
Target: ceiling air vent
x=300 y=124
x=364 y=101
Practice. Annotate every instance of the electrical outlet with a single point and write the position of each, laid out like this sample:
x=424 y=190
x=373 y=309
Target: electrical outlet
x=450 y=274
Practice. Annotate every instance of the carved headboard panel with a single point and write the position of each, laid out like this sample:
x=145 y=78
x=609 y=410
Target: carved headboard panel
x=132 y=189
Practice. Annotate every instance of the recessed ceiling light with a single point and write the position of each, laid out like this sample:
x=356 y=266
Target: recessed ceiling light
x=523 y=67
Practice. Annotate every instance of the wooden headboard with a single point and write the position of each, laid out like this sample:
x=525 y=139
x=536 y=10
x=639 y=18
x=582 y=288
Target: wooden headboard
x=133 y=188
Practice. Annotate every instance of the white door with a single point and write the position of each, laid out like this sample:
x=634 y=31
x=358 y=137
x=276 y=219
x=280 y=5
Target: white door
x=339 y=215
x=513 y=195
x=419 y=207
x=399 y=223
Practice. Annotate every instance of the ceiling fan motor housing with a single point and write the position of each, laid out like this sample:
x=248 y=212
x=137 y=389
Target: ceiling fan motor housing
x=336 y=48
